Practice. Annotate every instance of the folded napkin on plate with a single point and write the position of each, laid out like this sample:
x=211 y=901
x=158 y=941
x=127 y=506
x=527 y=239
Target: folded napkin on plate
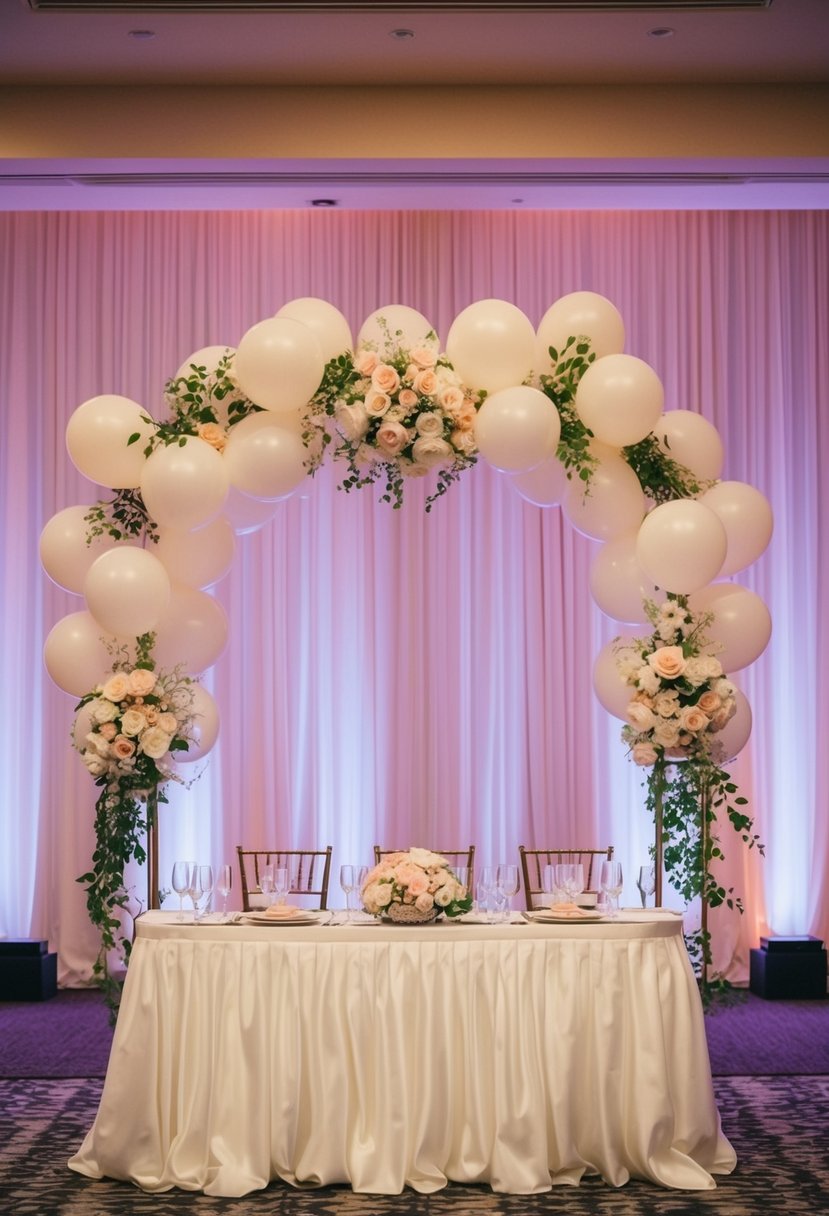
x=282 y=911
x=569 y=910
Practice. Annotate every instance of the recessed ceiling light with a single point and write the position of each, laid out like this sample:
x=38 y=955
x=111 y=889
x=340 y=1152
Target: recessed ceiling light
x=661 y=31
x=324 y=202
x=401 y=35
x=142 y=34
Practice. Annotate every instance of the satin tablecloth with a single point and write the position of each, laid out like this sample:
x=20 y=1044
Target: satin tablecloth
x=383 y=1056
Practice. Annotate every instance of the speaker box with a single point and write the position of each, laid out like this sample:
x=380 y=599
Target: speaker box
x=793 y=975
x=28 y=972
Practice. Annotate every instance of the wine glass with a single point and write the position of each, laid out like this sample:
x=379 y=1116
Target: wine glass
x=507 y=884
x=266 y=881
x=194 y=889
x=281 y=884
x=348 y=881
x=487 y=884
x=570 y=878
x=224 y=884
x=181 y=883
x=610 y=881
x=646 y=882
x=206 y=877
x=549 y=884
x=362 y=875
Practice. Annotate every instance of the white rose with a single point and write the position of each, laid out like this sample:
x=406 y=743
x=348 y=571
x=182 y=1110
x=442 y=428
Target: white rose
x=640 y=716
x=96 y=766
x=429 y=423
x=142 y=682
x=430 y=451
x=666 y=704
x=464 y=442
x=377 y=403
x=666 y=733
x=648 y=680
x=116 y=687
x=155 y=742
x=445 y=894
x=103 y=711
x=352 y=421
x=133 y=722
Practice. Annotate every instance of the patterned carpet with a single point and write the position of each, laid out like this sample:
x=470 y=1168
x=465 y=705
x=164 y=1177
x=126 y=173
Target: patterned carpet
x=776 y=1124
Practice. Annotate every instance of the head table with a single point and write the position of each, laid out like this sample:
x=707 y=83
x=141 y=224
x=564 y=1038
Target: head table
x=520 y=1055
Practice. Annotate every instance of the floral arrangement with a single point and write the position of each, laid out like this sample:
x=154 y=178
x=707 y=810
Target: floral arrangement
x=397 y=414
x=682 y=697
x=127 y=731
x=682 y=701
x=418 y=881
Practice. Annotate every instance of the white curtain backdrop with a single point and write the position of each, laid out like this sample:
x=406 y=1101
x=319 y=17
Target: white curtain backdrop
x=398 y=677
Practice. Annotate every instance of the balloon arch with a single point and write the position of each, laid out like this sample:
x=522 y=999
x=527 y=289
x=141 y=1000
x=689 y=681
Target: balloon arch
x=559 y=409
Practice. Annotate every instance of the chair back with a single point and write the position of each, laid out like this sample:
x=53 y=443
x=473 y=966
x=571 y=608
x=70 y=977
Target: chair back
x=533 y=862
x=309 y=871
x=455 y=857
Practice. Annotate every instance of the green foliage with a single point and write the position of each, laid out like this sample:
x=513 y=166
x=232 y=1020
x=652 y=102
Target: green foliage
x=569 y=365
x=121 y=517
x=661 y=477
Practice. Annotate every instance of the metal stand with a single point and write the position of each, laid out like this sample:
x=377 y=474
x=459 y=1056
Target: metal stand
x=657 y=851
x=152 y=850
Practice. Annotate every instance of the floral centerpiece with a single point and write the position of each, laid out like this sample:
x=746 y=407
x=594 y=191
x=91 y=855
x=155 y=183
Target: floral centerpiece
x=681 y=703
x=397 y=414
x=127 y=730
x=413 y=886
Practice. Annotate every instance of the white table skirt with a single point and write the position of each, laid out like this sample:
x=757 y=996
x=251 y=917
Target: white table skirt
x=515 y=1055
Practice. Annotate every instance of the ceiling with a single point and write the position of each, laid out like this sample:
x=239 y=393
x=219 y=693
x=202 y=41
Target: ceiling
x=332 y=43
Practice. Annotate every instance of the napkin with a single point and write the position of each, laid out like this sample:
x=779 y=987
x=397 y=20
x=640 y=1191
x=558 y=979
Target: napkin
x=282 y=911
x=570 y=910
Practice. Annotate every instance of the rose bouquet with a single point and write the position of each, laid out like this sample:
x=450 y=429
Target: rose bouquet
x=415 y=885
x=397 y=414
x=682 y=697
x=127 y=730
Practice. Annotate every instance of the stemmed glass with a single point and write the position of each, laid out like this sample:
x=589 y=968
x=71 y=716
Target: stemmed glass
x=206 y=876
x=195 y=889
x=224 y=884
x=281 y=885
x=610 y=880
x=487 y=885
x=549 y=885
x=570 y=879
x=348 y=881
x=362 y=875
x=507 y=885
x=181 y=883
x=266 y=882
x=646 y=882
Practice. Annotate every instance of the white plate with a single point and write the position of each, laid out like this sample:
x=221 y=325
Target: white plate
x=552 y=919
x=302 y=918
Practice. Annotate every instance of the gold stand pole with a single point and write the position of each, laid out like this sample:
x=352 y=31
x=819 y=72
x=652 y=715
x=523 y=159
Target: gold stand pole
x=152 y=850
x=703 y=843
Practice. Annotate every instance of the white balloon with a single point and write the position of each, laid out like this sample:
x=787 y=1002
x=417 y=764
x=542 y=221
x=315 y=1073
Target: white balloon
x=75 y=654
x=748 y=521
x=618 y=583
x=97 y=440
x=204 y=729
x=612 y=504
x=619 y=398
x=184 y=484
x=279 y=364
x=246 y=514
x=681 y=545
x=324 y=320
x=691 y=441
x=613 y=692
x=264 y=459
x=127 y=591
x=543 y=486
x=741 y=628
x=516 y=428
x=736 y=733
x=582 y=314
x=64 y=552
x=198 y=559
x=192 y=632
x=397 y=325
x=491 y=345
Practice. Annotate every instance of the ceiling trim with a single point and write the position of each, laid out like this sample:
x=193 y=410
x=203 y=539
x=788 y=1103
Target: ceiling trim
x=390 y=6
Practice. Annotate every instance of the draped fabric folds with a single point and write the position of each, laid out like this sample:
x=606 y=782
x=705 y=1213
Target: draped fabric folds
x=393 y=676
